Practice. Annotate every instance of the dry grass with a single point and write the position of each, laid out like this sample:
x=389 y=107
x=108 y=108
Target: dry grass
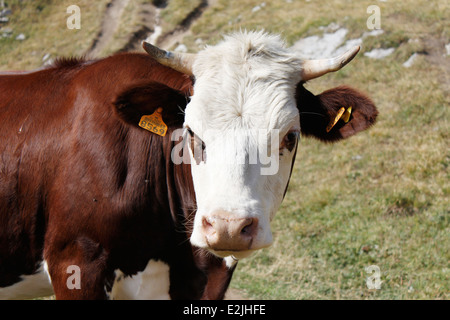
x=176 y=11
x=44 y=24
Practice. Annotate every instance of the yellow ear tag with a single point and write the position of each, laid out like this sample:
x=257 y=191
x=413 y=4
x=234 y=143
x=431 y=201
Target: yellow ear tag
x=154 y=123
x=346 y=115
x=336 y=119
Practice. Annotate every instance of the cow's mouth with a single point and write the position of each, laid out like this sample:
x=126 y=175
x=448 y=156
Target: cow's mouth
x=227 y=252
x=236 y=255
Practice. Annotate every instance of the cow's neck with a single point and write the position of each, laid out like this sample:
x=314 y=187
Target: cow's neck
x=183 y=208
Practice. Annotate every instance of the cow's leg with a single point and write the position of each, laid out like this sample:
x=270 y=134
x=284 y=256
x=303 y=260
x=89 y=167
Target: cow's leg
x=77 y=270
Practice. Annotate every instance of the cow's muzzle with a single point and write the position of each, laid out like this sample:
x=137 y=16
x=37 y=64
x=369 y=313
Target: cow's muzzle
x=224 y=232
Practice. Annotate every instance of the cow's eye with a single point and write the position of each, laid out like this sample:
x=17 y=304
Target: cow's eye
x=198 y=147
x=290 y=140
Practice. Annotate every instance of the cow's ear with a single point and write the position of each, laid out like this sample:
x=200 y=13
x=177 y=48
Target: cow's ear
x=318 y=113
x=145 y=98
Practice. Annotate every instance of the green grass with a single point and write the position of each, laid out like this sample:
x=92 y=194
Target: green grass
x=380 y=198
x=387 y=190
x=44 y=24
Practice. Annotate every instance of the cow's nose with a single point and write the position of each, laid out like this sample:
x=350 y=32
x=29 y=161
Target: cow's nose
x=224 y=232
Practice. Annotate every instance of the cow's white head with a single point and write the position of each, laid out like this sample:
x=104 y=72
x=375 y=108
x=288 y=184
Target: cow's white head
x=242 y=125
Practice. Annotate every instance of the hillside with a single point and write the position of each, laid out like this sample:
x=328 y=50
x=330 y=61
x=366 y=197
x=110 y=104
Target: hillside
x=380 y=198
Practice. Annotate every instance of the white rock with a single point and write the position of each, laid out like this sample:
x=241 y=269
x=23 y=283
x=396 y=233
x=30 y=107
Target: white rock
x=316 y=47
x=447 y=48
x=333 y=26
x=379 y=53
x=327 y=46
x=46 y=57
x=21 y=37
x=5 y=12
x=347 y=46
x=181 y=48
x=258 y=7
x=6 y=32
x=48 y=62
x=408 y=63
x=255 y=9
x=373 y=33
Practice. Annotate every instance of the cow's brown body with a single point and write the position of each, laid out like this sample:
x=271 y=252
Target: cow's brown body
x=79 y=186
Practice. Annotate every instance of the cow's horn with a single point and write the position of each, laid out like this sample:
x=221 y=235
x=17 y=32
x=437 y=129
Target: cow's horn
x=316 y=68
x=179 y=61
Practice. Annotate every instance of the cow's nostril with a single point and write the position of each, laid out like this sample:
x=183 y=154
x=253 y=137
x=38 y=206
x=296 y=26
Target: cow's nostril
x=208 y=225
x=249 y=227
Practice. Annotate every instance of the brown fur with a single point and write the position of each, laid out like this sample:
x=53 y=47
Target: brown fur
x=81 y=184
x=317 y=111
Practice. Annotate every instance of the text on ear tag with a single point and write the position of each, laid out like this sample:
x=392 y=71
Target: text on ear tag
x=154 y=123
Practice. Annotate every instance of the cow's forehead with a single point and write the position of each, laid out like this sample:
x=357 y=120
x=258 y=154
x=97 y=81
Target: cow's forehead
x=246 y=81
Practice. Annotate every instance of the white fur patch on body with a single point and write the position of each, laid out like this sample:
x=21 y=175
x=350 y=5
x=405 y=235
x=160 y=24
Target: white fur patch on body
x=152 y=283
x=230 y=261
x=31 y=286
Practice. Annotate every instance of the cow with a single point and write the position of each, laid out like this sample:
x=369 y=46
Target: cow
x=95 y=203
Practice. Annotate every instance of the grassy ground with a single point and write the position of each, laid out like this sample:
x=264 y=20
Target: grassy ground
x=380 y=198
x=43 y=22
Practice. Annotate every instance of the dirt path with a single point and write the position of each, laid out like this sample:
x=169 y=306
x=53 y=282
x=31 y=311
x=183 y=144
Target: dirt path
x=170 y=38
x=149 y=16
x=110 y=23
x=151 y=29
